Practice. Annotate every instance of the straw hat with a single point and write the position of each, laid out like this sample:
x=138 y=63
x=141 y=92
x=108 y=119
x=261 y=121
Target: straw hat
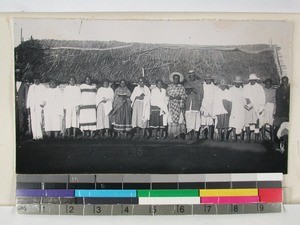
x=208 y=77
x=253 y=76
x=191 y=73
x=238 y=79
x=171 y=76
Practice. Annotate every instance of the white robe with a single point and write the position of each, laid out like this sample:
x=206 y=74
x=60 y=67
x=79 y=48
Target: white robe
x=72 y=99
x=36 y=98
x=256 y=94
x=237 y=117
x=207 y=106
x=218 y=107
x=104 y=108
x=53 y=109
x=159 y=98
x=146 y=102
x=105 y=94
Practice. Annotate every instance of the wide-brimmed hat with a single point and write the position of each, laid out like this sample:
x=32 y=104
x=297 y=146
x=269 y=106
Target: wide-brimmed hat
x=238 y=79
x=208 y=77
x=253 y=76
x=171 y=76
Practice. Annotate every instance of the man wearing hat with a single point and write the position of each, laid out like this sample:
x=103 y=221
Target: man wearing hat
x=177 y=96
x=237 y=116
x=194 y=90
x=206 y=109
x=222 y=110
x=35 y=104
x=255 y=102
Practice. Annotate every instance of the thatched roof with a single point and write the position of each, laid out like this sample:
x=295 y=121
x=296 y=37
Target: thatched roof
x=116 y=60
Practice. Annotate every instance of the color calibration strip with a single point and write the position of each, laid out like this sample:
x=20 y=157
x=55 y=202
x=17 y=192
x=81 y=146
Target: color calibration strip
x=144 y=194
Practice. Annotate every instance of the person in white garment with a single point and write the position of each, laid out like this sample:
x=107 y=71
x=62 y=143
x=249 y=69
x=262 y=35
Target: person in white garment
x=222 y=110
x=53 y=110
x=104 y=98
x=237 y=116
x=255 y=104
x=72 y=102
x=194 y=91
x=35 y=104
x=140 y=103
x=269 y=112
x=206 y=109
x=87 y=117
x=158 y=110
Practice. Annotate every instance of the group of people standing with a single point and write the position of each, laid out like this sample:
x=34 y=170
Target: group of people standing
x=188 y=109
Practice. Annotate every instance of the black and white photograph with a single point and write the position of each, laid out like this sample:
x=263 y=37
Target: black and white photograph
x=152 y=96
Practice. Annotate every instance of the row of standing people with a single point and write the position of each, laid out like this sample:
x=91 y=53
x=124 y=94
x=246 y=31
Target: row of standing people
x=190 y=108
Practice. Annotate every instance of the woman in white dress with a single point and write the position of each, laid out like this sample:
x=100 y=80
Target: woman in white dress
x=140 y=99
x=104 y=100
x=87 y=117
x=53 y=110
x=72 y=101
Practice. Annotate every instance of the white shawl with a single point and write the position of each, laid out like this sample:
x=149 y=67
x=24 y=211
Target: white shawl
x=146 y=106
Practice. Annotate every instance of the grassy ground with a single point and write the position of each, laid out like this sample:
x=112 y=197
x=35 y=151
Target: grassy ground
x=133 y=156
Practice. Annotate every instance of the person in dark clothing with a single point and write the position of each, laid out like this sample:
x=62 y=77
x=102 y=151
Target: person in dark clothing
x=282 y=102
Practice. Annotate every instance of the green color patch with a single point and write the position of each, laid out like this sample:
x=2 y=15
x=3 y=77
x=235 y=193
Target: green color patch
x=169 y=193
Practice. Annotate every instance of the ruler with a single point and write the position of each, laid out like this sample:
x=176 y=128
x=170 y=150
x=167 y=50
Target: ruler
x=148 y=194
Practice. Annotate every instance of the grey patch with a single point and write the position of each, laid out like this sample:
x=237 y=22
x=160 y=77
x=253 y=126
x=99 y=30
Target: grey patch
x=122 y=210
x=50 y=209
x=28 y=208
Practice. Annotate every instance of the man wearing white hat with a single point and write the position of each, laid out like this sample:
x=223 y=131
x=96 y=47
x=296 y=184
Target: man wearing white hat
x=255 y=102
x=237 y=116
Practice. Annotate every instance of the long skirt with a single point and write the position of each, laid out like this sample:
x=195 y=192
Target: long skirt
x=102 y=119
x=222 y=121
x=156 y=120
x=193 y=120
x=88 y=118
x=177 y=128
x=72 y=119
x=122 y=118
x=137 y=114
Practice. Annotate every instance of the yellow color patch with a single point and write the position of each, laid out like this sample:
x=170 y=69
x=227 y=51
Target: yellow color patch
x=228 y=192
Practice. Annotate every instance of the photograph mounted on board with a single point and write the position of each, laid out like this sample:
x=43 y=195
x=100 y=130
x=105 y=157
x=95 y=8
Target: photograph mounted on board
x=152 y=96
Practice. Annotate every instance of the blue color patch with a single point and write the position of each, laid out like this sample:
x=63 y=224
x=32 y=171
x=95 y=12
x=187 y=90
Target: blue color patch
x=106 y=193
